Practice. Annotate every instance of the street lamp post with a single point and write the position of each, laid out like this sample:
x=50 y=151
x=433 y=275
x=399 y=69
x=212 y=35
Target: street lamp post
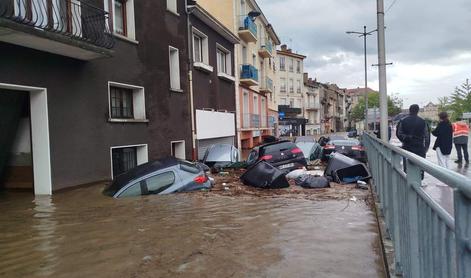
x=364 y=34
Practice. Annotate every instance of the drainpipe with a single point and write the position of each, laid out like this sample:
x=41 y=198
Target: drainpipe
x=190 y=80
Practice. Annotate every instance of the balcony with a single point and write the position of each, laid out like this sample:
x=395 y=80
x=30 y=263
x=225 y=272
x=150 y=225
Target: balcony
x=72 y=28
x=248 y=30
x=249 y=75
x=266 y=86
x=313 y=106
x=271 y=121
x=256 y=121
x=266 y=50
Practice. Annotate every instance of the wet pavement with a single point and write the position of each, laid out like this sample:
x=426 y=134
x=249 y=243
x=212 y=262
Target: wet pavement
x=81 y=233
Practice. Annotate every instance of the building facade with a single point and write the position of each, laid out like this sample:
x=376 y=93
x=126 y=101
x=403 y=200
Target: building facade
x=212 y=81
x=290 y=92
x=430 y=112
x=99 y=94
x=255 y=71
x=312 y=109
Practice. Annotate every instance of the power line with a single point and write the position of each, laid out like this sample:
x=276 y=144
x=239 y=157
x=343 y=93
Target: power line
x=390 y=6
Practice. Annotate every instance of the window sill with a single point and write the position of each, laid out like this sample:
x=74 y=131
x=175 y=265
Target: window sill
x=173 y=12
x=203 y=67
x=113 y=120
x=226 y=76
x=124 y=38
x=176 y=90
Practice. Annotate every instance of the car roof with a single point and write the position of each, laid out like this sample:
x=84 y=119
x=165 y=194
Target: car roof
x=274 y=143
x=142 y=170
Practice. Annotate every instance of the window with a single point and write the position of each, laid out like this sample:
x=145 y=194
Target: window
x=244 y=54
x=172 y=6
x=178 y=149
x=298 y=88
x=298 y=66
x=200 y=47
x=254 y=59
x=291 y=103
x=132 y=191
x=291 y=86
x=283 y=101
x=124 y=159
x=224 y=62
x=282 y=64
x=159 y=183
x=291 y=65
x=126 y=102
x=282 y=84
x=174 y=69
x=121 y=103
x=255 y=104
x=121 y=19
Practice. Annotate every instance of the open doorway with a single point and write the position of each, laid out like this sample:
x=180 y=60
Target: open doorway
x=24 y=140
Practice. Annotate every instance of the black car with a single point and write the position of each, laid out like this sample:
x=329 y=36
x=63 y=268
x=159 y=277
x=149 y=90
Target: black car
x=348 y=147
x=165 y=176
x=284 y=155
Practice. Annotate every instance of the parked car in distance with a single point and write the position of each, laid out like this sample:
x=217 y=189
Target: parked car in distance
x=348 y=147
x=221 y=155
x=284 y=155
x=165 y=176
x=311 y=151
x=304 y=139
x=352 y=133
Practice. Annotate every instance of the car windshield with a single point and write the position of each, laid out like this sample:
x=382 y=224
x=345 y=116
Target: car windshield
x=345 y=142
x=276 y=148
x=306 y=147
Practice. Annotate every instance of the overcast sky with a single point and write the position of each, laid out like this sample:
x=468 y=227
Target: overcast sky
x=427 y=40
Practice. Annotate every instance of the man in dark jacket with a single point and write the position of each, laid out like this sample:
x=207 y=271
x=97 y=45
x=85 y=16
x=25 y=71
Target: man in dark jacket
x=444 y=143
x=414 y=133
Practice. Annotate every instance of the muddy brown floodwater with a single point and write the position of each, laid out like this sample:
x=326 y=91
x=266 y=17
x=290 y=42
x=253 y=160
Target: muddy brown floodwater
x=224 y=233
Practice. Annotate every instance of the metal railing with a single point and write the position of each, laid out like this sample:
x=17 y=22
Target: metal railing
x=250 y=121
x=268 y=46
x=73 y=18
x=248 y=24
x=428 y=241
x=267 y=84
x=249 y=72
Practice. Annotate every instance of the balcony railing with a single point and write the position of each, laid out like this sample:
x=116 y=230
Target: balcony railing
x=76 y=19
x=267 y=85
x=250 y=25
x=266 y=49
x=254 y=121
x=313 y=106
x=249 y=72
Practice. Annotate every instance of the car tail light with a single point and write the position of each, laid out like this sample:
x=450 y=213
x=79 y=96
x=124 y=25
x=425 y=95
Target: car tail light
x=329 y=147
x=296 y=150
x=358 y=148
x=201 y=179
x=266 y=157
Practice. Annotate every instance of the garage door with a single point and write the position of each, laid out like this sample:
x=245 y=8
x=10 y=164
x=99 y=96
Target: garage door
x=203 y=145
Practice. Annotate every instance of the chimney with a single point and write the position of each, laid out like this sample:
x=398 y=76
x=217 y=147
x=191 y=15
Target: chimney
x=284 y=47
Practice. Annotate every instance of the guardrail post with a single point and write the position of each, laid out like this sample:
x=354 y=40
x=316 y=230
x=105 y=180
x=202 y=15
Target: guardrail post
x=462 y=206
x=396 y=164
x=414 y=179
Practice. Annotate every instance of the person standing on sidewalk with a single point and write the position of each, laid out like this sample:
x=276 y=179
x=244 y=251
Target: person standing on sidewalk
x=460 y=138
x=414 y=133
x=444 y=143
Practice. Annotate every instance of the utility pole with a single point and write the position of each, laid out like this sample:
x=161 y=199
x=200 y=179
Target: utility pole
x=383 y=91
x=364 y=34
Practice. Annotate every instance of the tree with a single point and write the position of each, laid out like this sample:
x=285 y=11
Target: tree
x=394 y=106
x=459 y=102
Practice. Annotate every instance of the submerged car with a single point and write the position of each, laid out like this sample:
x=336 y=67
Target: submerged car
x=311 y=151
x=348 y=147
x=165 y=176
x=221 y=155
x=284 y=155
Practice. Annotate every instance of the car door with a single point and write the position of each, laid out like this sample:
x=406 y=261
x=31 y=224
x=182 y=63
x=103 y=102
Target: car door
x=162 y=183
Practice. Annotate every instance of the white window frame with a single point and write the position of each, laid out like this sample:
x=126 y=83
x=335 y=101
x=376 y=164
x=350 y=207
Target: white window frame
x=142 y=154
x=130 y=19
x=204 y=63
x=283 y=84
x=172 y=6
x=291 y=85
x=298 y=88
x=174 y=69
x=282 y=64
x=228 y=61
x=291 y=65
x=138 y=101
x=184 y=149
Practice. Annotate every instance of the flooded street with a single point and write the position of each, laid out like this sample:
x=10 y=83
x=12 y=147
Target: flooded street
x=81 y=233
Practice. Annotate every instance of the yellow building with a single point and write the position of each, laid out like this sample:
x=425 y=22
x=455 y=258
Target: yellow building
x=257 y=113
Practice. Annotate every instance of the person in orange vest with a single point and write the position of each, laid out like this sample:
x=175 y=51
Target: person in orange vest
x=460 y=139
